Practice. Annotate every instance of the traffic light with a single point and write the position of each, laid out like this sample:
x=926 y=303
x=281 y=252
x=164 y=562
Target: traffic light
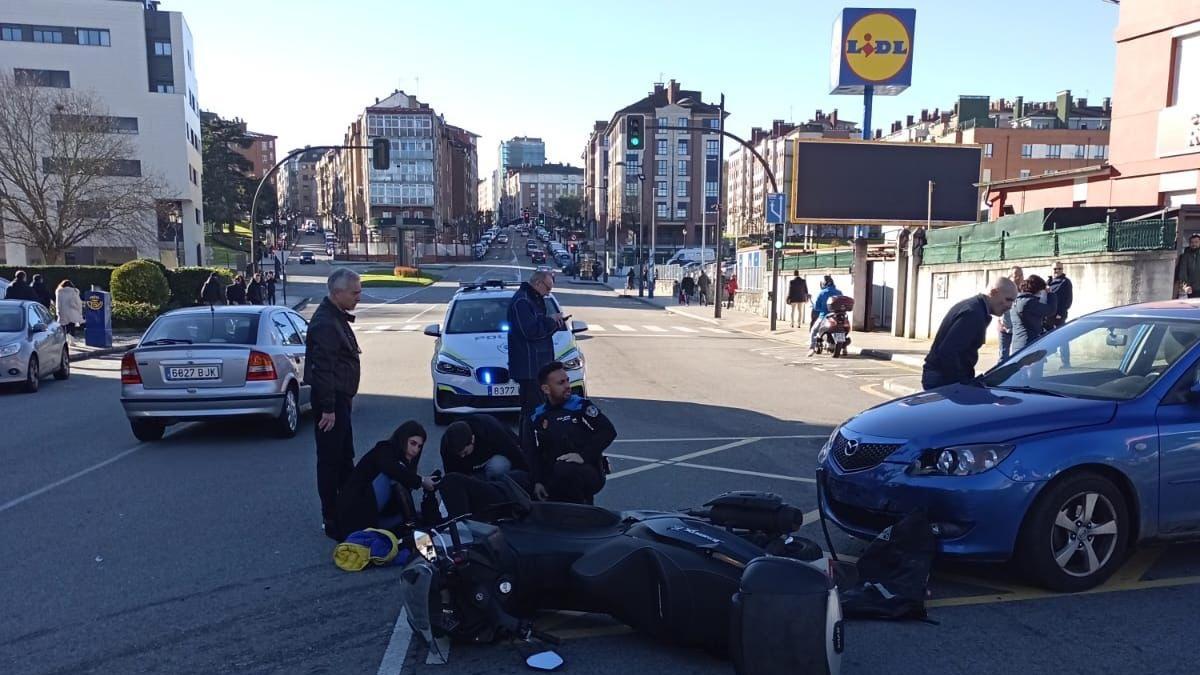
x=541 y=219
x=381 y=154
x=633 y=132
x=525 y=215
x=778 y=237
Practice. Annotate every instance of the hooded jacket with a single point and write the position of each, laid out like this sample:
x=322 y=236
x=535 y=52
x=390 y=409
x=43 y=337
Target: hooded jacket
x=530 y=334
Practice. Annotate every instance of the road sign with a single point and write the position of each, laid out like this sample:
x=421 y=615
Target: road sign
x=775 y=208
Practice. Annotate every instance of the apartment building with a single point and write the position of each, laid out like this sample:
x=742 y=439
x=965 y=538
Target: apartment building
x=296 y=184
x=260 y=153
x=595 y=177
x=537 y=188
x=516 y=152
x=138 y=60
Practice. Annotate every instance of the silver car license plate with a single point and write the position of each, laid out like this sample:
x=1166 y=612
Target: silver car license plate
x=193 y=372
x=512 y=389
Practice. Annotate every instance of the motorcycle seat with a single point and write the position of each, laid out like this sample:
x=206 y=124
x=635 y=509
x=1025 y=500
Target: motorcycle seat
x=562 y=515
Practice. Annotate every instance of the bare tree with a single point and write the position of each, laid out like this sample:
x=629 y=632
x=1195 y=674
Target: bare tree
x=66 y=172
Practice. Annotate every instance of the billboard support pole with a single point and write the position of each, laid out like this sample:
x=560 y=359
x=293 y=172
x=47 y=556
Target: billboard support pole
x=868 y=95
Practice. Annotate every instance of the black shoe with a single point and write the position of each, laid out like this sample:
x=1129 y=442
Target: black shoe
x=330 y=529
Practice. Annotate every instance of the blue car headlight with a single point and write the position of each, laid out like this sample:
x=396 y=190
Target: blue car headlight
x=573 y=363
x=10 y=349
x=961 y=460
x=823 y=453
x=450 y=368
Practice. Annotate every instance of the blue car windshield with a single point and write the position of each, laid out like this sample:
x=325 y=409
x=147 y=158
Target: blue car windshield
x=1108 y=358
x=484 y=315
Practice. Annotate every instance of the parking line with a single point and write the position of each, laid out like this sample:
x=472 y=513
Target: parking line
x=623 y=328
x=719 y=438
x=655 y=329
x=685 y=329
x=715 y=330
x=596 y=327
x=723 y=469
x=410 y=326
x=1039 y=594
x=681 y=458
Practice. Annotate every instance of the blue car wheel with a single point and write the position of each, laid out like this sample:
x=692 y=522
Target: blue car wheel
x=1076 y=533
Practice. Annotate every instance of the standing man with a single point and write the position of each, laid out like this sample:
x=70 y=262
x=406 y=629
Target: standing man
x=271 y=279
x=531 y=341
x=256 y=291
x=955 y=349
x=705 y=286
x=797 y=296
x=1004 y=324
x=570 y=435
x=1187 y=271
x=1061 y=295
x=331 y=368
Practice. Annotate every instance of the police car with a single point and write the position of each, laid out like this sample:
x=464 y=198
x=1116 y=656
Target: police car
x=470 y=359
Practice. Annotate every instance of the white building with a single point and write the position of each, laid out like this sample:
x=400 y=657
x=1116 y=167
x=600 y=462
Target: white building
x=139 y=62
x=537 y=188
x=486 y=196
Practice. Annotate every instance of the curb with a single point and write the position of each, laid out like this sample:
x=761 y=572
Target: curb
x=97 y=353
x=884 y=355
x=300 y=305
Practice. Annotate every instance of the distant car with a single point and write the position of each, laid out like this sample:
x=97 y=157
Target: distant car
x=502 y=238
x=545 y=268
x=307 y=258
x=470 y=359
x=32 y=344
x=537 y=257
x=207 y=363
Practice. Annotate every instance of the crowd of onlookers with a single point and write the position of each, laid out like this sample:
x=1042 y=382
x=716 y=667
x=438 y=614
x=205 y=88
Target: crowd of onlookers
x=65 y=301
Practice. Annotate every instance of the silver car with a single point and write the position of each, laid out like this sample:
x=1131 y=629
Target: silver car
x=31 y=345
x=203 y=363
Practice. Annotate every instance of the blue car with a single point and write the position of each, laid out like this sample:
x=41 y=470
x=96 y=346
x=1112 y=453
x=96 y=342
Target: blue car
x=1079 y=447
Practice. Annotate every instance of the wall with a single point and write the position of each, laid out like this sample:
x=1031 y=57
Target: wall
x=1100 y=281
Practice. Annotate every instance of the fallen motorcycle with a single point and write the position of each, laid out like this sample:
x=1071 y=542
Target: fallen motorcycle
x=729 y=578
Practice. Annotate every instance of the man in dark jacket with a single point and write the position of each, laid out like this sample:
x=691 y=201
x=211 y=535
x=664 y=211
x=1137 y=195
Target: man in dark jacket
x=40 y=292
x=955 y=349
x=255 y=292
x=1059 y=300
x=531 y=340
x=19 y=288
x=797 y=296
x=1187 y=271
x=235 y=293
x=210 y=292
x=332 y=369
x=570 y=435
x=272 y=278
x=480 y=446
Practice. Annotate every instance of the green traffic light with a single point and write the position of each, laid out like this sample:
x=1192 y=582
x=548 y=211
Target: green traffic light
x=635 y=141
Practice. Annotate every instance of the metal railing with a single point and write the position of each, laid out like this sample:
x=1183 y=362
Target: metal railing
x=1127 y=236
x=819 y=260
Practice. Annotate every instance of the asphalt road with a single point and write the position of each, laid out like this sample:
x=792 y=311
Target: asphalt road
x=203 y=552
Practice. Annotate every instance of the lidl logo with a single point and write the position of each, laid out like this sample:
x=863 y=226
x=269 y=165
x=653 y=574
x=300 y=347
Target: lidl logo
x=878 y=47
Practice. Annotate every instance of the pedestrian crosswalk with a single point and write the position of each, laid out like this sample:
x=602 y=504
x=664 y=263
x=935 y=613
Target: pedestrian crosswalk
x=386 y=328
x=621 y=328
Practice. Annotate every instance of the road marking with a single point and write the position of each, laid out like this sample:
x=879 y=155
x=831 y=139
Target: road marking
x=680 y=458
x=419 y=315
x=410 y=326
x=1039 y=594
x=63 y=481
x=723 y=469
x=623 y=328
x=655 y=329
x=380 y=329
x=397 y=648
x=685 y=329
x=720 y=438
x=871 y=389
x=596 y=327
x=715 y=330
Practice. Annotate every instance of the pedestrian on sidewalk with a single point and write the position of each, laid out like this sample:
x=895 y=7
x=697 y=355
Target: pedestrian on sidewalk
x=955 y=349
x=271 y=280
x=332 y=369
x=531 y=343
x=1004 y=324
x=235 y=293
x=1029 y=313
x=688 y=288
x=731 y=287
x=629 y=280
x=1061 y=296
x=704 y=285
x=69 y=306
x=210 y=292
x=40 y=292
x=797 y=297
x=19 y=288
x=1187 y=269
x=820 y=309
x=255 y=292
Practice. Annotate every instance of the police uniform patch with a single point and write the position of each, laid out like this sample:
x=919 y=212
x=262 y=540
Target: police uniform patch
x=592 y=411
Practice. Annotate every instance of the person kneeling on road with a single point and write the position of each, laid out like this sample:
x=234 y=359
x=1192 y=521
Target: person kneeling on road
x=378 y=491
x=480 y=446
x=570 y=435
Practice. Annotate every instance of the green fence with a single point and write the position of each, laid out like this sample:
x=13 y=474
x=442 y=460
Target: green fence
x=1139 y=235
x=812 y=261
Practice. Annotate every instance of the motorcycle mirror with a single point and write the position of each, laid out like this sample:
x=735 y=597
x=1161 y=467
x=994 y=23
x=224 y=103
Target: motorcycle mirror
x=547 y=661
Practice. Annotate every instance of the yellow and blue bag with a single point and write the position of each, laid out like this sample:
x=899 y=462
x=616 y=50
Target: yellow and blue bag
x=369 y=547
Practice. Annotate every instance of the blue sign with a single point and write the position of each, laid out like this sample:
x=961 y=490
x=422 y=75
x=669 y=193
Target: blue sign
x=872 y=47
x=775 y=208
x=97 y=318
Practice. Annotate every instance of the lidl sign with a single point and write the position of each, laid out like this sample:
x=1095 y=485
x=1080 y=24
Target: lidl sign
x=872 y=47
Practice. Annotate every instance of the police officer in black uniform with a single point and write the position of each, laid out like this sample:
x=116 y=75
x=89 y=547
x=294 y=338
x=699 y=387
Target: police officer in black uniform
x=570 y=435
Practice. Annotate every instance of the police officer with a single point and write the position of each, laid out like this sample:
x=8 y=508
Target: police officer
x=569 y=437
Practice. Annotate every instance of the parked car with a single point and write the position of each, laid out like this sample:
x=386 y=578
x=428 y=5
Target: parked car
x=32 y=344
x=537 y=257
x=470 y=359
x=307 y=258
x=207 y=363
x=1076 y=448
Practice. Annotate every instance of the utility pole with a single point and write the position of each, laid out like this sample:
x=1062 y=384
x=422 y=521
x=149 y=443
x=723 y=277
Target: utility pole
x=720 y=238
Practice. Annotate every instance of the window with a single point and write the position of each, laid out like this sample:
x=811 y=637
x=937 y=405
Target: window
x=660 y=167
x=49 y=36
x=682 y=148
x=987 y=175
x=712 y=189
x=1099 y=152
x=93 y=37
x=660 y=188
x=189 y=59
x=100 y=123
x=660 y=210
x=682 y=167
x=13 y=33
x=987 y=149
x=164 y=88
x=1027 y=150
x=162 y=48
x=42 y=78
x=712 y=147
x=192 y=175
x=1053 y=151
x=1080 y=151
x=301 y=325
x=663 y=122
x=714 y=123
x=681 y=188
x=113 y=167
x=661 y=144
x=1025 y=173
x=285 y=333
x=192 y=102
x=631 y=189
x=683 y=121
x=681 y=210
x=1186 y=50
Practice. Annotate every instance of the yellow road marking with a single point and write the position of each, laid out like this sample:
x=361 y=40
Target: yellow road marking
x=871 y=389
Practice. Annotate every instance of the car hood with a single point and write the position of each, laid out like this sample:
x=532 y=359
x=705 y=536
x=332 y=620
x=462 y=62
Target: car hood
x=491 y=349
x=6 y=338
x=966 y=414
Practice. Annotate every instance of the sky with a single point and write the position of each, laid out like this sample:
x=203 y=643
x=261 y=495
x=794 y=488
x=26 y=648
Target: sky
x=303 y=69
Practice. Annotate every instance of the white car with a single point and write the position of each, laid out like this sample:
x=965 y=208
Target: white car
x=470 y=359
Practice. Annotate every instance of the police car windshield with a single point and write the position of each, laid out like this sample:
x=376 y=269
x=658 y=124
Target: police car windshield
x=484 y=315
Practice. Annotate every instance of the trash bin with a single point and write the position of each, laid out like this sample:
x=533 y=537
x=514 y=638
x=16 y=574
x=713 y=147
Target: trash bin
x=97 y=318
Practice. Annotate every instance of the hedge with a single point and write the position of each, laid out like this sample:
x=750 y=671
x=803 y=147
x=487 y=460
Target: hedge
x=133 y=315
x=83 y=276
x=140 y=281
x=186 y=283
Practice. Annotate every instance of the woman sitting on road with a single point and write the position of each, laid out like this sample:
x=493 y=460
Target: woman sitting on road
x=378 y=492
